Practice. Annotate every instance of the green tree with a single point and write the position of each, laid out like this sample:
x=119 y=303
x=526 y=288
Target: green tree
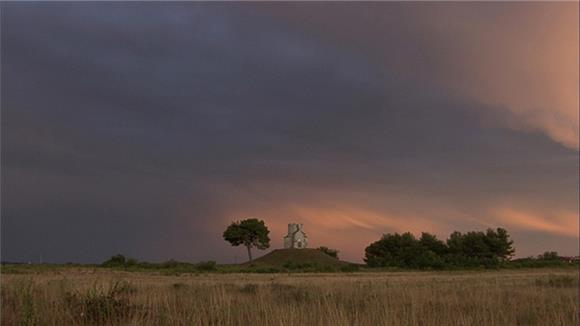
x=250 y=232
x=378 y=253
x=428 y=259
x=471 y=249
x=455 y=243
x=430 y=242
x=477 y=248
x=500 y=244
x=475 y=245
x=549 y=255
x=398 y=250
x=331 y=252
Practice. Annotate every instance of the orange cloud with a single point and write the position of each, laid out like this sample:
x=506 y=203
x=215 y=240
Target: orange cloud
x=519 y=58
x=561 y=223
x=525 y=61
x=344 y=217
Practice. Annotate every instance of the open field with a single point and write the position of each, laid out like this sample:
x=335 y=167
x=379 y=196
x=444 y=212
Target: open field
x=70 y=296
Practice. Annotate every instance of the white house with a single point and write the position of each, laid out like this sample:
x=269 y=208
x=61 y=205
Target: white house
x=296 y=237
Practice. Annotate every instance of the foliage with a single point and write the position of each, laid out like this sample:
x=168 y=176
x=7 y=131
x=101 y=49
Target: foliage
x=206 y=266
x=115 y=261
x=250 y=232
x=549 y=255
x=350 y=268
x=298 y=260
x=331 y=252
x=472 y=249
x=547 y=259
x=172 y=267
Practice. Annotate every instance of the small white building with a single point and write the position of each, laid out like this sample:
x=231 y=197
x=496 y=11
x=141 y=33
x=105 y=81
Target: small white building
x=296 y=237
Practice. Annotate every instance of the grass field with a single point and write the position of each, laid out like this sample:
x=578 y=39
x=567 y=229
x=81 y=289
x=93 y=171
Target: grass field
x=71 y=296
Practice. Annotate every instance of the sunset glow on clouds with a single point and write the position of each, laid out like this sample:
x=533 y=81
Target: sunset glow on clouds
x=560 y=223
x=522 y=60
x=527 y=63
x=146 y=128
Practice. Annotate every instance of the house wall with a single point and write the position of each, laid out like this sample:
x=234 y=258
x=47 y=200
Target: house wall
x=300 y=240
x=287 y=242
x=296 y=237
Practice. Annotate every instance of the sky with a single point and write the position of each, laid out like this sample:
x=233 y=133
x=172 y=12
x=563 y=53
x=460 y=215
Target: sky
x=146 y=128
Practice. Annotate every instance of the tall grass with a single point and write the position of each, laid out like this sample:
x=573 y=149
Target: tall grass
x=87 y=297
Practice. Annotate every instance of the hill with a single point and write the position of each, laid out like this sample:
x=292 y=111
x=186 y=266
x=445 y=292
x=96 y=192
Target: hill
x=296 y=258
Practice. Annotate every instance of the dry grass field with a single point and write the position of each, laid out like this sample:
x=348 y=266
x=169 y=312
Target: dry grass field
x=72 y=296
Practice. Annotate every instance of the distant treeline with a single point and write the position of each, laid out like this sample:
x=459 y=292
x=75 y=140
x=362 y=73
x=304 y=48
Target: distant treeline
x=474 y=249
x=460 y=250
x=120 y=261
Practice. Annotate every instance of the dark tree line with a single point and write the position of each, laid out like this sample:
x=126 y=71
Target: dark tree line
x=471 y=249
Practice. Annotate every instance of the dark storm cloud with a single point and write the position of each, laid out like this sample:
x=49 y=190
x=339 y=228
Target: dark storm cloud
x=141 y=127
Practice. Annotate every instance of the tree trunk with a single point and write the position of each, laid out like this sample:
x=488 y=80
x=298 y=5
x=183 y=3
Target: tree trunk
x=249 y=252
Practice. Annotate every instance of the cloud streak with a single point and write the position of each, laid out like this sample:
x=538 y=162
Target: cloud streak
x=564 y=223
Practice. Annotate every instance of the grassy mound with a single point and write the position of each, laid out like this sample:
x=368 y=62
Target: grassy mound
x=296 y=259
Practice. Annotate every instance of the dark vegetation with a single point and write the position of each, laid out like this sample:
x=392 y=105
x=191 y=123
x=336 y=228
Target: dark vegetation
x=101 y=306
x=547 y=259
x=250 y=233
x=300 y=260
x=473 y=249
x=170 y=266
x=331 y=252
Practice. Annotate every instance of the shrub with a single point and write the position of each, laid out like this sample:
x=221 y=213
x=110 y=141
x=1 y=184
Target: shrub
x=331 y=252
x=115 y=261
x=206 y=266
x=109 y=306
x=549 y=255
x=349 y=268
x=292 y=265
x=170 y=264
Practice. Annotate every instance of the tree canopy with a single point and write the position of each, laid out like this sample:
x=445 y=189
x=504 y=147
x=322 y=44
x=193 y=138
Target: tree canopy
x=460 y=250
x=250 y=232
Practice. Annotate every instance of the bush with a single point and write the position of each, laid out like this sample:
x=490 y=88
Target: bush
x=115 y=261
x=292 y=265
x=206 y=266
x=108 y=306
x=331 y=252
x=549 y=255
x=349 y=268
